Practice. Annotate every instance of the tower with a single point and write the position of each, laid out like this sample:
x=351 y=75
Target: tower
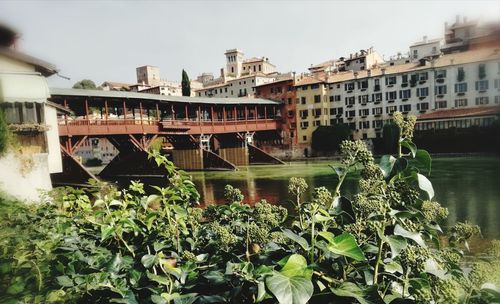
x=234 y=62
x=149 y=75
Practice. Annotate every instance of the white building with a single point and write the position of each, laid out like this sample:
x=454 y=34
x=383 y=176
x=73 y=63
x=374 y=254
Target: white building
x=25 y=169
x=238 y=87
x=366 y=99
x=425 y=48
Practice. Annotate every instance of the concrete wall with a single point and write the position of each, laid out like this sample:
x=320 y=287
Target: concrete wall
x=54 y=148
x=25 y=186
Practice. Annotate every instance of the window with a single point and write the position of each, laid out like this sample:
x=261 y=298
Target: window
x=482 y=100
x=363 y=84
x=415 y=54
x=461 y=102
x=391 y=109
x=461 y=87
x=314 y=86
x=331 y=98
x=482 y=71
x=303 y=100
x=304 y=87
x=423 y=76
x=363 y=99
x=336 y=121
x=304 y=125
x=23 y=112
x=440 y=90
x=304 y=114
x=349 y=86
x=316 y=123
x=405 y=94
x=364 y=112
x=497 y=99
x=405 y=108
x=377 y=97
x=335 y=98
x=440 y=74
x=350 y=101
x=482 y=85
x=317 y=98
x=364 y=125
x=404 y=79
x=377 y=124
x=390 y=80
x=497 y=83
x=440 y=104
x=377 y=111
x=460 y=74
x=351 y=113
x=423 y=92
x=423 y=106
x=317 y=112
x=391 y=96
x=289 y=101
x=336 y=111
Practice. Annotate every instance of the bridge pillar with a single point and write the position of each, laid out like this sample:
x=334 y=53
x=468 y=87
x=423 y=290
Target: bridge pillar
x=188 y=159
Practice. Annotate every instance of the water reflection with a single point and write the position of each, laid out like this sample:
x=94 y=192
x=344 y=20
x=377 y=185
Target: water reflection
x=468 y=186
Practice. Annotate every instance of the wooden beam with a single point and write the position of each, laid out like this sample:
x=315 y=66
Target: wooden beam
x=78 y=144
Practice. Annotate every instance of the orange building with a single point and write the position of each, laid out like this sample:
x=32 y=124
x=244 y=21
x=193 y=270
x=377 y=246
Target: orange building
x=283 y=90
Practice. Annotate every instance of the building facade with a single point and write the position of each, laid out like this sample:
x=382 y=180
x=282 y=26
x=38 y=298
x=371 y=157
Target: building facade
x=366 y=99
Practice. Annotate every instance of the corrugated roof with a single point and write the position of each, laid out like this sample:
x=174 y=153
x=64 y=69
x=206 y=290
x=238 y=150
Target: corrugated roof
x=463 y=112
x=161 y=98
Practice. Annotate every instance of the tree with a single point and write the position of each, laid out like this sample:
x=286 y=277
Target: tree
x=4 y=133
x=328 y=138
x=186 y=84
x=85 y=84
x=390 y=137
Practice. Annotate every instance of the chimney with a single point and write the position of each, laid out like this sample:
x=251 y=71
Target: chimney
x=221 y=72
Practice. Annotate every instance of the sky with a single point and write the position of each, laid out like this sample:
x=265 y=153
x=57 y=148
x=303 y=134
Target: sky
x=107 y=40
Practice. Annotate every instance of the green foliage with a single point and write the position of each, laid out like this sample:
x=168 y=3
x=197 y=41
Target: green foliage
x=5 y=134
x=382 y=245
x=186 y=84
x=85 y=84
x=329 y=138
x=390 y=137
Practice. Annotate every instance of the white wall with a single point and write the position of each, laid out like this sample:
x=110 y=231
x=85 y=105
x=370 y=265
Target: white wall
x=54 y=148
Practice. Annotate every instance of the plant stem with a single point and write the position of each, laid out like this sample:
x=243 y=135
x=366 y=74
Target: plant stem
x=341 y=180
x=377 y=262
x=311 y=253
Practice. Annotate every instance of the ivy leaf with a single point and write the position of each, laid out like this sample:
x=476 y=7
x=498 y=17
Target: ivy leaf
x=393 y=267
x=163 y=280
x=423 y=158
x=149 y=260
x=292 y=285
x=106 y=231
x=432 y=267
x=386 y=164
x=296 y=238
x=64 y=281
x=426 y=185
x=344 y=244
x=415 y=236
x=351 y=290
x=397 y=244
x=410 y=146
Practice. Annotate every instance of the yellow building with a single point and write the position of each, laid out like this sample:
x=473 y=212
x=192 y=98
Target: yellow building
x=312 y=108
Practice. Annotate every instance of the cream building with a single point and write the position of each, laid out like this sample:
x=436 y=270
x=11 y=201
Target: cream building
x=33 y=120
x=366 y=99
x=239 y=87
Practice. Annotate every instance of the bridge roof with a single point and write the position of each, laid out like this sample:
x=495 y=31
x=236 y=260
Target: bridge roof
x=156 y=97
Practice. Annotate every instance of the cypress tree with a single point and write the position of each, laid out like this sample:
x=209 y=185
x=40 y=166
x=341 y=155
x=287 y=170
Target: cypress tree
x=186 y=84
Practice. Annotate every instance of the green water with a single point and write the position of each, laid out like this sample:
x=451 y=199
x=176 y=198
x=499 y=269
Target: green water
x=468 y=186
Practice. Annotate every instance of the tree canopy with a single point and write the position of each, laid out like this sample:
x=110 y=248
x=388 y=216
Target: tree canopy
x=328 y=138
x=186 y=84
x=85 y=84
x=390 y=137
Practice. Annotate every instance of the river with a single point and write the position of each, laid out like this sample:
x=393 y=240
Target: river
x=468 y=186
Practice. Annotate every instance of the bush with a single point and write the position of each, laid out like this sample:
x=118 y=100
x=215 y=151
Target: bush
x=383 y=245
x=328 y=138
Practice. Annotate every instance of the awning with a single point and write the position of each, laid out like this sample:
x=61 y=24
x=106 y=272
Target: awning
x=23 y=87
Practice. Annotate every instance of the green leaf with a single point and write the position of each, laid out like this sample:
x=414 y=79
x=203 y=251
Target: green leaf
x=410 y=146
x=290 y=290
x=351 y=290
x=432 y=267
x=386 y=164
x=423 y=158
x=106 y=231
x=296 y=265
x=149 y=260
x=393 y=267
x=397 y=244
x=296 y=238
x=163 y=280
x=426 y=185
x=344 y=244
x=64 y=281
x=415 y=236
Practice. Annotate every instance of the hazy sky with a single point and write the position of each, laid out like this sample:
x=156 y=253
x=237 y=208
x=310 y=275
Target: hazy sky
x=107 y=40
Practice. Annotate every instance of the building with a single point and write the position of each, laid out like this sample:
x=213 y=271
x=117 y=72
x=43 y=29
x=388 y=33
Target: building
x=283 y=90
x=366 y=99
x=23 y=98
x=243 y=86
x=99 y=148
x=466 y=35
x=149 y=81
x=364 y=59
x=115 y=86
x=425 y=48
